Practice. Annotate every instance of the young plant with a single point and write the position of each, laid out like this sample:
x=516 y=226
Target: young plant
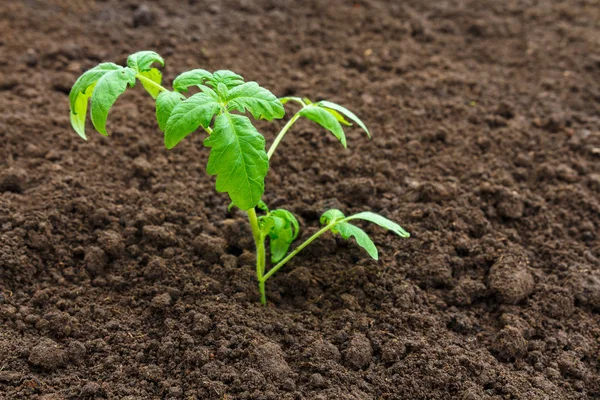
x=238 y=155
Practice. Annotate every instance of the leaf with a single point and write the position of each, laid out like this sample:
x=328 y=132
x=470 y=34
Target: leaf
x=84 y=86
x=289 y=217
x=260 y=102
x=346 y=112
x=79 y=111
x=108 y=88
x=155 y=76
x=381 y=221
x=238 y=158
x=287 y=99
x=347 y=231
x=142 y=60
x=165 y=102
x=187 y=116
x=338 y=116
x=280 y=239
x=262 y=206
x=228 y=78
x=331 y=216
x=191 y=78
x=326 y=120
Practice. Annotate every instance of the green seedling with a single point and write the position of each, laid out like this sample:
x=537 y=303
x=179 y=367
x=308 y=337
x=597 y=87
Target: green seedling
x=238 y=156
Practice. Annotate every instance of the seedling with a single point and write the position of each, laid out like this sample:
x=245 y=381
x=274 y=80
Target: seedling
x=238 y=155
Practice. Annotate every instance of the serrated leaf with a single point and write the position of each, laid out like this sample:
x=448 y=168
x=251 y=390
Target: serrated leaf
x=191 y=78
x=108 y=88
x=290 y=218
x=330 y=216
x=238 y=158
x=79 y=111
x=228 y=78
x=142 y=60
x=155 y=76
x=326 y=120
x=222 y=91
x=83 y=87
x=260 y=102
x=347 y=231
x=346 y=112
x=197 y=110
x=381 y=221
x=165 y=102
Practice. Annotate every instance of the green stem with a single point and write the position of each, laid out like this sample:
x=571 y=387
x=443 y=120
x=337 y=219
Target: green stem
x=259 y=241
x=282 y=134
x=298 y=250
x=151 y=82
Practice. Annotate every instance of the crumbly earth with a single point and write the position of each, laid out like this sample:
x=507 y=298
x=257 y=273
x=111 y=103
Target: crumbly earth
x=122 y=276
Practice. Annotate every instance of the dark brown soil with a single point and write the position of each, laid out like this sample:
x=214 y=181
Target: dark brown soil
x=122 y=276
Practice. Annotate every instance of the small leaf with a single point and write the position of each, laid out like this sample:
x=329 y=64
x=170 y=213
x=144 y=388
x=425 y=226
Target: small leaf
x=222 y=91
x=82 y=90
x=280 y=239
x=290 y=218
x=326 y=120
x=331 y=216
x=142 y=60
x=262 y=206
x=191 y=78
x=108 y=88
x=79 y=111
x=346 y=112
x=228 y=78
x=155 y=76
x=260 y=102
x=338 y=116
x=285 y=100
x=381 y=221
x=165 y=102
x=347 y=231
x=238 y=158
x=187 y=116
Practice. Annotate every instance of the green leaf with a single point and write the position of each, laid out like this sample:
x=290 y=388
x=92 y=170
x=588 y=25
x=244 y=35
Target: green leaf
x=142 y=60
x=191 y=78
x=280 y=239
x=290 y=218
x=285 y=100
x=326 y=120
x=228 y=78
x=187 y=116
x=259 y=101
x=79 y=111
x=331 y=216
x=381 y=221
x=338 y=116
x=262 y=206
x=238 y=158
x=108 y=88
x=347 y=231
x=165 y=102
x=346 y=112
x=82 y=90
x=155 y=76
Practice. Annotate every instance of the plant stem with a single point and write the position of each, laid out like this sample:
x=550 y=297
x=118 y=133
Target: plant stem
x=151 y=82
x=298 y=250
x=282 y=134
x=259 y=241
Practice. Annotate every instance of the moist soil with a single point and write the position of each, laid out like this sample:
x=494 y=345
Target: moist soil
x=123 y=276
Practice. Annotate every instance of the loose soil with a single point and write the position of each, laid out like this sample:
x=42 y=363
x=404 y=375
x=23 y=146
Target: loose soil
x=122 y=276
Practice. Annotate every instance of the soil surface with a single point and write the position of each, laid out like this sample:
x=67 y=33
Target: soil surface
x=123 y=276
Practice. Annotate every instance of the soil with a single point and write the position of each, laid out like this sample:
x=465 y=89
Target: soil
x=123 y=276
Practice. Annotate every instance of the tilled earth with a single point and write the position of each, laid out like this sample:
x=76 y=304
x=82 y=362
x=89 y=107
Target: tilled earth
x=123 y=276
